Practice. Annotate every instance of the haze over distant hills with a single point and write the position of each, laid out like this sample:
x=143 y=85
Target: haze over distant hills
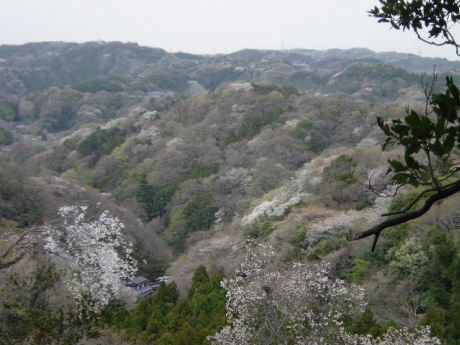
x=36 y=66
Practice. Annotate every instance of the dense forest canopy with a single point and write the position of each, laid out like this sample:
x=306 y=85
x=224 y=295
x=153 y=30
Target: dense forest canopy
x=237 y=181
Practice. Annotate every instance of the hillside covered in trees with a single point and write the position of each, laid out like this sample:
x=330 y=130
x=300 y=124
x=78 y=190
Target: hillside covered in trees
x=118 y=160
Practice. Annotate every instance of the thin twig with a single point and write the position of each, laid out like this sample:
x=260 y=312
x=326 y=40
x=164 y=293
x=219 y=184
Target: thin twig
x=376 y=230
x=410 y=205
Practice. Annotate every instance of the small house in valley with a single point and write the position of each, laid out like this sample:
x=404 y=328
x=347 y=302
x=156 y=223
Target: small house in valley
x=142 y=286
x=138 y=282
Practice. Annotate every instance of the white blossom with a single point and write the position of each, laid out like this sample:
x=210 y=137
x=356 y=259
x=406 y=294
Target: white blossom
x=323 y=228
x=174 y=142
x=292 y=192
x=96 y=251
x=149 y=135
x=301 y=304
x=239 y=178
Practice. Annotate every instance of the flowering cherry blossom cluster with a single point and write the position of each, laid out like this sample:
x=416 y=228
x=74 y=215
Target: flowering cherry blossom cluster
x=292 y=192
x=95 y=250
x=300 y=304
x=323 y=228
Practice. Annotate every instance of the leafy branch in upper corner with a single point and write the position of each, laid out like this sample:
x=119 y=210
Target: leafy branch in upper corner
x=430 y=140
x=432 y=20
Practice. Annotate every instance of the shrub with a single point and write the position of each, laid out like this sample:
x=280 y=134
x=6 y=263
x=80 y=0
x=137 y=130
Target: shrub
x=154 y=199
x=111 y=175
x=19 y=200
x=394 y=236
x=199 y=213
x=59 y=120
x=8 y=112
x=97 y=84
x=260 y=229
x=440 y=285
x=174 y=81
x=213 y=77
x=196 y=170
x=341 y=169
x=340 y=187
x=253 y=123
x=6 y=137
x=325 y=247
x=366 y=324
x=297 y=241
x=302 y=129
x=358 y=270
x=101 y=142
x=409 y=259
x=317 y=141
x=265 y=89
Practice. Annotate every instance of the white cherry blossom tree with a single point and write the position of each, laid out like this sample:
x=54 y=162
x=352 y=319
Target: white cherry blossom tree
x=98 y=255
x=302 y=304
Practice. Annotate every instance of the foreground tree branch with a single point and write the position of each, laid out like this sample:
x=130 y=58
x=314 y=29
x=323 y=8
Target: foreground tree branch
x=18 y=249
x=434 y=131
x=7 y=263
x=417 y=199
x=431 y=141
x=433 y=21
x=442 y=194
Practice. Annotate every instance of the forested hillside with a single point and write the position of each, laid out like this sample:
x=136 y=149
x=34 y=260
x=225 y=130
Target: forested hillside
x=122 y=159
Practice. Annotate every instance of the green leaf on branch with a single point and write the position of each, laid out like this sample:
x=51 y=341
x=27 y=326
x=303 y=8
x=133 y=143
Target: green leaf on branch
x=437 y=148
x=411 y=162
x=387 y=142
x=383 y=126
x=401 y=178
x=440 y=127
x=397 y=166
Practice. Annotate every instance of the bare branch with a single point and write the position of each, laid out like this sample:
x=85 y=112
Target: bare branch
x=434 y=43
x=5 y=264
x=61 y=256
x=410 y=205
x=19 y=240
x=428 y=88
x=442 y=194
x=20 y=244
x=452 y=172
x=381 y=192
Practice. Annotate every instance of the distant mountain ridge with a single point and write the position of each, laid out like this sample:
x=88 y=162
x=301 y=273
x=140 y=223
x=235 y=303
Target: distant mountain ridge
x=20 y=55
x=410 y=62
x=36 y=66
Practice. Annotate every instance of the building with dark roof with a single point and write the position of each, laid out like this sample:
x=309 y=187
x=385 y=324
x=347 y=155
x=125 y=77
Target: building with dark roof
x=138 y=282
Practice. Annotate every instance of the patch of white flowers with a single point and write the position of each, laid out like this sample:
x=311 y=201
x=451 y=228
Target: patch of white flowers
x=98 y=254
x=292 y=193
x=323 y=228
x=238 y=178
x=302 y=304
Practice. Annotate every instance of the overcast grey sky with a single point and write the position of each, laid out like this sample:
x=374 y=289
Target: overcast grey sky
x=208 y=26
